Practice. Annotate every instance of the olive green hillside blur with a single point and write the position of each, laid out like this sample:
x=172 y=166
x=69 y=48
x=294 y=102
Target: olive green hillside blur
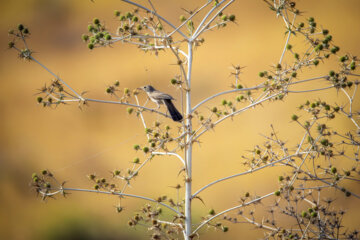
x=73 y=142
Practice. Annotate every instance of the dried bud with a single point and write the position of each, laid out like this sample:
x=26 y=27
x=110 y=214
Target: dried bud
x=146 y=149
x=130 y=110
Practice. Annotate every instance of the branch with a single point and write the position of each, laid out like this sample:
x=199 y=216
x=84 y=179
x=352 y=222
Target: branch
x=57 y=77
x=121 y=194
x=191 y=16
x=142 y=117
x=237 y=112
x=322 y=180
x=171 y=154
x=212 y=19
x=260 y=225
x=230 y=209
x=226 y=92
x=308 y=80
x=80 y=98
x=127 y=104
x=244 y=173
x=287 y=40
x=311 y=90
x=206 y=16
x=156 y=14
x=253 y=88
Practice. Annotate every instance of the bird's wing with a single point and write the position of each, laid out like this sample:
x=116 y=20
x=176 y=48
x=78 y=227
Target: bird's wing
x=161 y=96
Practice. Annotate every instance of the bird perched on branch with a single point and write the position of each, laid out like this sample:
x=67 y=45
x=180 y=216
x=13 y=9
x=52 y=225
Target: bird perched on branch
x=163 y=98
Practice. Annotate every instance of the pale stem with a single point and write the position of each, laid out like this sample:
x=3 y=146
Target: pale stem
x=170 y=223
x=260 y=225
x=251 y=88
x=304 y=137
x=141 y=116
x=188 y=151
x=154 y=13
x=206 y=16
x=356 y=87
x=329 y=183
x=231 y=209
x=23 y=39
x=174 y=51
x=191 y=16
x=226 y=92
x=307 y=80
x=80 y=98
x=126 y=104
x=171 y=154
x=48 y=70
x=285 y=20
x=287 y=40
x=212 y=19
x=311 y=90
x=117 y=39
x=350 y=101
x=141 y=166
x=121 y=194
x=214 y=26
x=313 y=188
x=298 y=168
x=244 y=173
x=305 y=231
x=237 y=112
x=353 y=74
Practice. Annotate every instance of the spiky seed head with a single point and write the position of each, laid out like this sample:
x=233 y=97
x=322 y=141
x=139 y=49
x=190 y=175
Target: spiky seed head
x=20 y=27
x=294 y=117
x=96 y=21
x=130 y=110
x=91 y=46
x=182 y=18
x=173 y=81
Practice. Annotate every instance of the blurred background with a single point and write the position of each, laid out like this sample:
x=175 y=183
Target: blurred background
x=97 y=139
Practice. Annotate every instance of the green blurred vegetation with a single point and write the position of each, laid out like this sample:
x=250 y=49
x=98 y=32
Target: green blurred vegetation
x=73 y=143
x=81 y=228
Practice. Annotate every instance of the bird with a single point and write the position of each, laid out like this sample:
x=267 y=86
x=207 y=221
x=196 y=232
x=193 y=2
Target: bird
x=163 y=98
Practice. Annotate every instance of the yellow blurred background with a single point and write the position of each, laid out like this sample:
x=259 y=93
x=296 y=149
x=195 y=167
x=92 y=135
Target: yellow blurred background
x=73 y=143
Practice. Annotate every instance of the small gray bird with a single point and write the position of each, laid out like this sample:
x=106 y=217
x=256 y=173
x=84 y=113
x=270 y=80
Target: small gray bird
x=163 y=98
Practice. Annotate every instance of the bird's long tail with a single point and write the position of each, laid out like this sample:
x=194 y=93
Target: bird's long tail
x=174 y=113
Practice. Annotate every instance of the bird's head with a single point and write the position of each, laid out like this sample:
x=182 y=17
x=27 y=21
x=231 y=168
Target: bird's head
x=147 y=88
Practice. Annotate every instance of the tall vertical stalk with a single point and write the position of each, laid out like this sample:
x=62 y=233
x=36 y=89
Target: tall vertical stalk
x=188 y=152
